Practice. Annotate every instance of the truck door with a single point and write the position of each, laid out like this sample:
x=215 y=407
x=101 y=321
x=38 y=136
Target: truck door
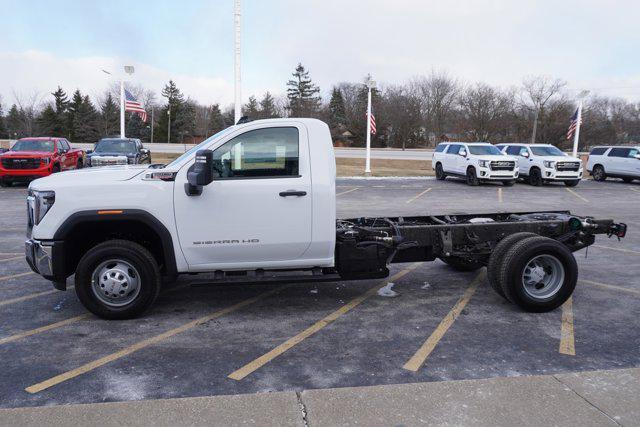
x=616 y=160
x=66 y=159
x=631 y=163
x=259 y=211
x=451 y=158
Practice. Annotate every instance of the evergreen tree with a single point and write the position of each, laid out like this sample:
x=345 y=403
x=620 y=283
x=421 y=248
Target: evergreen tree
x=252 y=109
x=176 y=107
x=60 y=126
x=268 y=108
x=304 y=100
x=47 y=121
x=83 y=119
x=15 y=126
x=216 y=120
x=3 y=127
x=337 y=110
x=109 y=116
x=136 y=128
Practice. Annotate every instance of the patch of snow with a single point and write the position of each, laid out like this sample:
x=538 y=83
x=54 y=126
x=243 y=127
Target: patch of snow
x=426 y=285
x=390 y=178
x=313 y=291
x=387 y=291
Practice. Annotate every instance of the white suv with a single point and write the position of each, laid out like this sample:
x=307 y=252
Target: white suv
x=475 y=161
x=614 y=162
x=540 y=163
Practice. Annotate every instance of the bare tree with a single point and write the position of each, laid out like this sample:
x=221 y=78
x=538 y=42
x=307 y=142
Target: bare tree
x=484 y=109
x=537 y=92
x=29 y=106
x=437 y=95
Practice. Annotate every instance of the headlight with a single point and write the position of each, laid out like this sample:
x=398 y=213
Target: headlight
x=39 y=203
x=549 y=164
x=484 y=163
x=45 y=160
x=131 y=160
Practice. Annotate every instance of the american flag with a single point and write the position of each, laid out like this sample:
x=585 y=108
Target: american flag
x=372 y=119
x=131 y=104
x=576 y=120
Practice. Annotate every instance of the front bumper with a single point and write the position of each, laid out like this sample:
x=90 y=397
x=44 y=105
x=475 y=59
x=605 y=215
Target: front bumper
x=24 y=174
x=553 y=174
x=47 y=260
x=500 y=175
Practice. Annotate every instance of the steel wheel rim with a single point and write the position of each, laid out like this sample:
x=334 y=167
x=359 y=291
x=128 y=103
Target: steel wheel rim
x=543 y=277
x=115 y=282
x=597 y=174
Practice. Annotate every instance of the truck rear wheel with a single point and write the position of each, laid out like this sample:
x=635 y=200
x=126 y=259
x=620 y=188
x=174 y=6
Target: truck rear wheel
x=497 y=256
x=117 y=279
x=461 y=264
x=598 y=173
x=538 y=274
x=4 y=183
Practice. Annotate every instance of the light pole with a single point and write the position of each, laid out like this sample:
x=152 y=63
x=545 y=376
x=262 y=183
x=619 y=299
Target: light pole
x=129 y=70
x=238 y=92
x=370 y=84
x=152 y=124
x=169 y=124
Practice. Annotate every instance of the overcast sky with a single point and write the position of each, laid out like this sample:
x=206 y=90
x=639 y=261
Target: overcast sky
x=591 y=44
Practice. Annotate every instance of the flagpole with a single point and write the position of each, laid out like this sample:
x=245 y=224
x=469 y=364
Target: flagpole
x=122 y=109
x=367 y=166
x=237 y=89
x=577 y=134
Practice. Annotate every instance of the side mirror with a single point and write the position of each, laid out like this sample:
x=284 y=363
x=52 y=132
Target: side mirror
x=463 y=153
x=525 y=154
x=200 y=174
x=89 y=151
x=144 y=151
x=637 y=156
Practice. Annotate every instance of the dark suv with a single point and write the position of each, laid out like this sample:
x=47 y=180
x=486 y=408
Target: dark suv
x=118 y=151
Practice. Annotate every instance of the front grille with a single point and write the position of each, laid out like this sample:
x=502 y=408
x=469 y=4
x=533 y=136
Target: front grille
x=502 y=165
x=568 y=166
x=108 y=161
x=18 y=163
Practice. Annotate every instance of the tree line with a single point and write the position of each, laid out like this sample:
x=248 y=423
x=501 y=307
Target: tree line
x=418 y=113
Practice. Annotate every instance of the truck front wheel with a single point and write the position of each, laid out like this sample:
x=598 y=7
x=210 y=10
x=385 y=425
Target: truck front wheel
x=538 y=274
x=117 y=279
x=472 y=177
x=535 y=177
x=440 y=175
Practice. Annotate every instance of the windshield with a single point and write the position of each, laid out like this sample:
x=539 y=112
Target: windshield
x=115 y=146
x=484 y=149
x=34 y=145
x=547 y=150
x=199 y=146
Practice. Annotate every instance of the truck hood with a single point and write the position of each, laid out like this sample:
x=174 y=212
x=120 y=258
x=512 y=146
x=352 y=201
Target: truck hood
x=11 y=154
x=559 y=159
x=495 y=157
x=89 y=177
x=110 y=154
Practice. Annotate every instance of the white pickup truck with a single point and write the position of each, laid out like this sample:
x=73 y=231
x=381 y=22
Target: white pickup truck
x=540 y=163
x=258 y=199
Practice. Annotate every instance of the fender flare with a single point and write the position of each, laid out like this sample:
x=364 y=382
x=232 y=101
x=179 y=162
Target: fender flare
x=126 y=215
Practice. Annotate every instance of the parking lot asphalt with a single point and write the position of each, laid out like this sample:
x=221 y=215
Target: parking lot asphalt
x=236 y=339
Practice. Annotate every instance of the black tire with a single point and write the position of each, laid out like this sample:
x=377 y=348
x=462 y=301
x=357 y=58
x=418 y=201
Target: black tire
x=509 y=183
x=535 y=177
x=572 y=183
x=497 y=255
x=134 y=254
x=519 y=256
x=627 y=180
x=55 y=168
x=440 y=175
x=460 y=264
x=80 y=164
x=4 y=183
x=598 y=173
x=472 y=177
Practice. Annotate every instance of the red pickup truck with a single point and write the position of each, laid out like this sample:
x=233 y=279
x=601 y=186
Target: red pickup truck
x=32 y=158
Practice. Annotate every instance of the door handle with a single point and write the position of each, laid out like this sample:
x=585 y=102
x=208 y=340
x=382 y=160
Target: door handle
x=292 y=193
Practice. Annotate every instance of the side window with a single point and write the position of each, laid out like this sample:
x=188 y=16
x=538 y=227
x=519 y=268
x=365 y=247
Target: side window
x=261 y=153
x=63 y=144
x=619 y=152
x=440 y=148
x=453 y=149
x=599 y=151
x=513 y=150
x=633 y=152
x=523 y=150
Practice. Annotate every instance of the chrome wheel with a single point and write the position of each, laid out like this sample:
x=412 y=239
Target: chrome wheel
x=115 y=282
x=543 y=276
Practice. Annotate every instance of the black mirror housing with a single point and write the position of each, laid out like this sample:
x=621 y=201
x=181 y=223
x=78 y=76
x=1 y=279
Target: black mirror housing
x=200 y=174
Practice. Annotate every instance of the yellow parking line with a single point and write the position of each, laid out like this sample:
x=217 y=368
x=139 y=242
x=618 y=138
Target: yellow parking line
x=30 y=296
x=617 y=249
x=613 y=287
x=146 y=343
x=12 y=258
x=42 y=329
x=418 y=359
x=15 y=276
x=419 y=195
x=567 y=340
x=348 y=191
x=291 y=342
x=499 y=195
x=576 y=194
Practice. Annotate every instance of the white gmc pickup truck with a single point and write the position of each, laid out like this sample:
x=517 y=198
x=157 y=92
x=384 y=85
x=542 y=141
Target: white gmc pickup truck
x=258 y=199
